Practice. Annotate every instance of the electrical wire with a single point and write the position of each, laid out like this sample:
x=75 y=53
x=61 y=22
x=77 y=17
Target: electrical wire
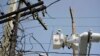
x=30 y=44
x=19 y=41
x=61 y=18
x=25 y=18
x=23 y=37
x=61 y=26
x=29 y=41
x=37 y=52
x=24 y=43
x=50 y=16
x=73 y=17
x=50 y=41
x=30 y=34
x=38 y=42
x=53 y=3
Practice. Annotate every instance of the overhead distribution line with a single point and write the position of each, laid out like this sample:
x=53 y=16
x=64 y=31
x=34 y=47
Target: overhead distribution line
x=38 y=52
x=53 y=3
x=63 y=18
x=38 y=43
x=73 y=17
x=59 y=26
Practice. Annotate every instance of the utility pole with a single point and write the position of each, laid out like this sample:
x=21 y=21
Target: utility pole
x=7 y=35
x=14 y=37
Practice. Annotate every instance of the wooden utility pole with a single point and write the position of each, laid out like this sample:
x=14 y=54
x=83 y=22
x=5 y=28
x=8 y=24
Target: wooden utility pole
x=8 y=27
x=13 y=39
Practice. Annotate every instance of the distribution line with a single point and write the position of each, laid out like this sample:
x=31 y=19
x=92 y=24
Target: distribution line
x=60 y=26
x=38 y=43
x=37 y=52
x=53 y=3
x=60 y=18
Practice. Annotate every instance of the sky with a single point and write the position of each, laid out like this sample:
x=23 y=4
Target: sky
x=86 y=14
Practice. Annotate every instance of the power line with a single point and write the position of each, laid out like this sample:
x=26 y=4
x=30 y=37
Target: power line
x=38 y=43
x=53 y=3
x=61 y=18
x=25 y=18
x=51 y=17
x=50 y=41
x=37 y=52
x=60 y=26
